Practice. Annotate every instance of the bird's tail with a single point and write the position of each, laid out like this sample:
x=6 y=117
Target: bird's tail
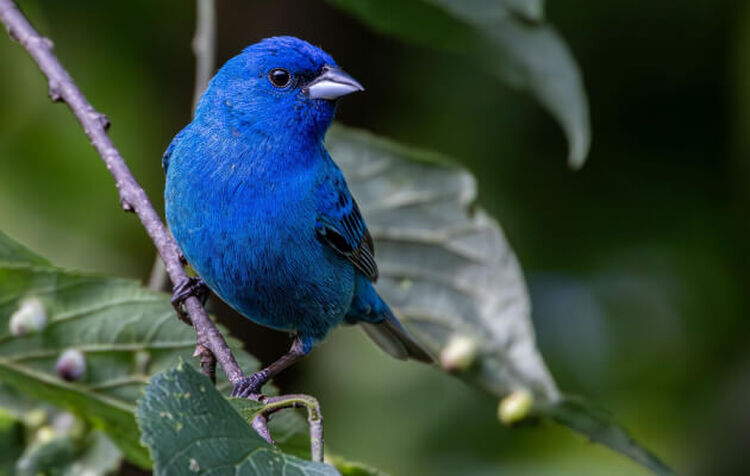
x=395 y=340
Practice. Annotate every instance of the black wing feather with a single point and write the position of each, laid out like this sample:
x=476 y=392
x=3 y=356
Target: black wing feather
x=348 y=234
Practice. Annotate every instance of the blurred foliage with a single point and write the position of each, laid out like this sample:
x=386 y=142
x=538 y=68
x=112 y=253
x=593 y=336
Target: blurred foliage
x=636 y=264
x=38 y=438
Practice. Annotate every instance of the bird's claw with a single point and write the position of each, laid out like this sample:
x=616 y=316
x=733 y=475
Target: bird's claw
x=184 y=289
x=249 y=387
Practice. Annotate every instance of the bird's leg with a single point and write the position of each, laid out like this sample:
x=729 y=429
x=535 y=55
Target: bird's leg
x=186 y=288
x=248 y=386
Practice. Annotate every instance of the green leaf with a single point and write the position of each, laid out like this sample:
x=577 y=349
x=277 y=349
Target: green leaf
x=11 y=442
x=100 y=456
x=125 y=332
x=17 y=405
x=508 y=37
x=599 y=426
x=40 y=458
x=353 y=468
x=448 y=271
x=72 y=450
x=178 y=415
x=13 y=252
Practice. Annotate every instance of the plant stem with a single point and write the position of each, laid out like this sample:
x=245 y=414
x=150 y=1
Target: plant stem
x=204 y=46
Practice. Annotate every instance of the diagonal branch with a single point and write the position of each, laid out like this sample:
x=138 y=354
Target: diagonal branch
x=132 y=196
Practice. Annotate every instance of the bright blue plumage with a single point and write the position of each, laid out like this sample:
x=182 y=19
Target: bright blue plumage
x=261 y=211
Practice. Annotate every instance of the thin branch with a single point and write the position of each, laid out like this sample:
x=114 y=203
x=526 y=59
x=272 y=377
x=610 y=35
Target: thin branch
x=132 y=196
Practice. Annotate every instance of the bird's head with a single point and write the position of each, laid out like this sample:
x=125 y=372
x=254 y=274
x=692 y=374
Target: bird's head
x=278 y=86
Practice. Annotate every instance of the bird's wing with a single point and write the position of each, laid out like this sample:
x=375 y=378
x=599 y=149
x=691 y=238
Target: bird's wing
x=341 y=226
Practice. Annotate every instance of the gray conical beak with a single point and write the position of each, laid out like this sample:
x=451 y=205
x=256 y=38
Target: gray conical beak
x=332 y=83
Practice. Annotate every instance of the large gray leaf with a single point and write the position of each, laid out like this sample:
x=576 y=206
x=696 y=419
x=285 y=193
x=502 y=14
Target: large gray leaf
x=126 y=334
x=508 y=37
x=445 y=267
x=448 y=271
x=178 y=416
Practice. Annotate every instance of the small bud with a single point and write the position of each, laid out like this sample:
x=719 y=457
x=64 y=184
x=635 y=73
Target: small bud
x=13 y=34
x=71 y=365
x=459 y=353
x=67 y=424
x=63 y=422
x=103 y=121
x=405 y=284
x=44 y=434
x=515 y=407
x=35 y=418
x=127 y=206
x=55 y=91
x=30 y=317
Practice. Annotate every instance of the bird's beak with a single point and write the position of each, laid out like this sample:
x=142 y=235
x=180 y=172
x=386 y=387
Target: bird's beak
x=332 y=83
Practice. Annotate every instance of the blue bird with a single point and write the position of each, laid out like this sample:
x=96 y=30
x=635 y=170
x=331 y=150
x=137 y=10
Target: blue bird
x=264 y=215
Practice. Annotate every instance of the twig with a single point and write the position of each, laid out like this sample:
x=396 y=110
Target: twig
x=204 y=46
x=208 y=362
x=132 y=196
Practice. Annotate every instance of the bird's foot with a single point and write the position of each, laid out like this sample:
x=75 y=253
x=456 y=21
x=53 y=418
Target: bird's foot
x=249 y=387
x=184 y=289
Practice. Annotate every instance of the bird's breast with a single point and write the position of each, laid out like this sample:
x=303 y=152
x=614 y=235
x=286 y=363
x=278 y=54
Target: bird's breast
x=249 y=232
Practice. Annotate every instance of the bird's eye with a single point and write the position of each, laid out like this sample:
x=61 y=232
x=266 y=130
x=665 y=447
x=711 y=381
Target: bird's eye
x=280 y=77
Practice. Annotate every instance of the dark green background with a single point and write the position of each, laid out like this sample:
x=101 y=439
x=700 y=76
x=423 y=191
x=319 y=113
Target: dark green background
x=637 y=264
